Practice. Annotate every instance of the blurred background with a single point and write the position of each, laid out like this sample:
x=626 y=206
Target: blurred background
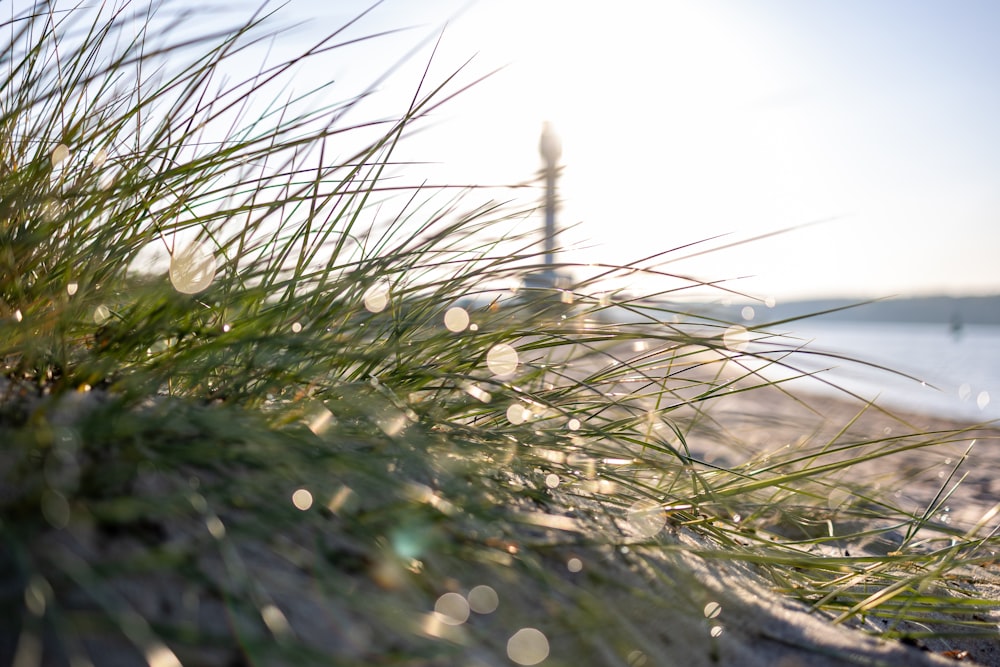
x=867 y=130
x=683 y=120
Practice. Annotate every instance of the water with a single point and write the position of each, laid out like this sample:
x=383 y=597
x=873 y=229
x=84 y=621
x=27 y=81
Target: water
x=957 y=373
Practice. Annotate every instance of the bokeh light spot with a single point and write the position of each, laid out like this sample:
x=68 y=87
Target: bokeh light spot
x=454 y=608
x=275 y=620
x=71 y=288
x=838 y=496
x=645 y=519
x=215 y=527
x=60 y=154
x=716 y=631
x=736 y=338
x=55 y=509
x=528 y=646
x=36 y=595
x=573 y=424
x=983 y=399
x=478 y=392
x=712 y=609
x=101 y=314
x=483 y=599
x=192 y=270
x=456 y=319
x=517 y=413
x=502 y=360
x=302 y=499
x=637 y=659
x=552 y=480
x=747 y=313
x=158 y=655
x=574 y=564
x=377 y=297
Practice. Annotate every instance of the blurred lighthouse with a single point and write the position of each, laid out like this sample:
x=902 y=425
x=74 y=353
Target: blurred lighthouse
x=550 y=148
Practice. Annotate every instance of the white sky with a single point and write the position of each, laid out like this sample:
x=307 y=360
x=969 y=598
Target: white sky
x=684 y=119
x=691 y=118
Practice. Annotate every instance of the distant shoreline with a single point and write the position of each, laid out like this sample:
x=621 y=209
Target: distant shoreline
x=952 y=311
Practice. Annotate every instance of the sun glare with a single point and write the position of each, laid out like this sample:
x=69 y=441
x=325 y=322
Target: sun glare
x=657 y=101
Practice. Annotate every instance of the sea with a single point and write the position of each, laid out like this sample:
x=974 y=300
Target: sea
x=931 y=369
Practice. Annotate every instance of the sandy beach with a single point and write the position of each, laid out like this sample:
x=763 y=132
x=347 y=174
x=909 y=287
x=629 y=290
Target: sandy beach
x=962 y=462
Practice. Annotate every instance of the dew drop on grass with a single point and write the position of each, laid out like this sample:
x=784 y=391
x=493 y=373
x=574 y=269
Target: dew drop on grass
x=456 y=319
x=983 y=399
x=377 y=297
x=736 y=338
x=59 y=154
x=18 y=315
x=296 y=327
x=101 y=314
x=483 y=599
x=574 y=564
x=192 y=270
x=712 y=609
x=528 y=646
x=302 y=499
x=473 y=327
x=453 y=608
x=502 y=360
x=72 y=288
x=573 y=424
x=645 y=519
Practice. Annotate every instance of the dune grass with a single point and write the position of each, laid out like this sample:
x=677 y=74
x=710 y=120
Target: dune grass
x=317 y=431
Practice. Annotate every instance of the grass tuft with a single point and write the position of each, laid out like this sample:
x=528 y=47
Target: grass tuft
x=264 y=403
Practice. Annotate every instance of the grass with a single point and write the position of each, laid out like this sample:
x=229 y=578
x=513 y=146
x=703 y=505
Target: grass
x=274 y=448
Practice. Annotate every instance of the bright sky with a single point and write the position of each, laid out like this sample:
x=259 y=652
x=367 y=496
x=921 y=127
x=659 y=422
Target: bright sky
x=689 y=118
x=685 y=119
